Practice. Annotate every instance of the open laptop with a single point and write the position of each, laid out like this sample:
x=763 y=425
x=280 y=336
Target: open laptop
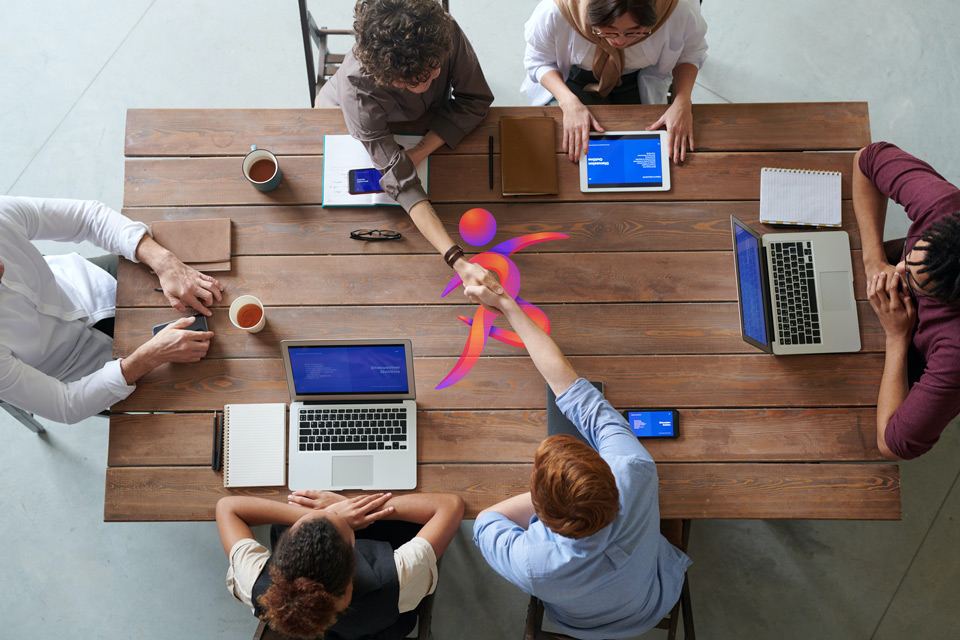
x=353 y=419
x=795 y=291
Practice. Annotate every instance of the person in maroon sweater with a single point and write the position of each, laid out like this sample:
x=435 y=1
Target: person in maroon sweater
x=914 y=287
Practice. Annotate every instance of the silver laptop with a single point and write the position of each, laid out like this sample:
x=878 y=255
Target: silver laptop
x=795 y=291
x=353 y=419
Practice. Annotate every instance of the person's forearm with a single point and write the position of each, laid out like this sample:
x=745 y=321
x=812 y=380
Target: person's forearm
x=893 y=388
x=518 y=509
x=684 y=77
x=870 y=209
x=139 y=363
x=439 y=513
x=546 y=356
x=153 y=255
x=428 y=144
x=553 y=82
x=426 y=220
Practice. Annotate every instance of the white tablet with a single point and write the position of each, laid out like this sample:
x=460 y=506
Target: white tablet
x=626 y=161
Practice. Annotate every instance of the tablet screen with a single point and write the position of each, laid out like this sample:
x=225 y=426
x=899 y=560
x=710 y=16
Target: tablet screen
x=626 y=160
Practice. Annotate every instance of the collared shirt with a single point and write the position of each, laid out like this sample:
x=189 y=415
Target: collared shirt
x=52 y=362
x=934 y=400
x=622 y=580
x=415 y=560
x=459 y=98
x=553 y=45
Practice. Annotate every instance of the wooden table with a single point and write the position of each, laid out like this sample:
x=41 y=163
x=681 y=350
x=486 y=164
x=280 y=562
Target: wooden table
x=642 y=296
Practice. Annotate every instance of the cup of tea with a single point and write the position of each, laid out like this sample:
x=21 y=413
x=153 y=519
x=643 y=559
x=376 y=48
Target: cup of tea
x=246 y=313
x=261 y=168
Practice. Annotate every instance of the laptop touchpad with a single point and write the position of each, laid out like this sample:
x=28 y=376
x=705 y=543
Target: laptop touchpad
x=352 y=471
x=835 y=290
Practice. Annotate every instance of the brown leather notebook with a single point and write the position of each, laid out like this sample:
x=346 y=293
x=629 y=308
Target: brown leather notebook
x=528 y=156
x=202 y=244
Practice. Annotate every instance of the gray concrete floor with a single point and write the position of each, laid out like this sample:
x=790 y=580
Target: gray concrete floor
x=69 y=71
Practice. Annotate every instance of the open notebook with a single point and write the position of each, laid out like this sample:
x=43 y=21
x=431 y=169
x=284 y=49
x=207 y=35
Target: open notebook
x=254 y=439
x=800 y=196
x=343 y=153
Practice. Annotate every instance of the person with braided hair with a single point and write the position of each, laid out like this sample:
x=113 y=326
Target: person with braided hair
x=341 y=567
x=913 y=285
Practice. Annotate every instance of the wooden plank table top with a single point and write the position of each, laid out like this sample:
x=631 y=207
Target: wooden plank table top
x=641 y=295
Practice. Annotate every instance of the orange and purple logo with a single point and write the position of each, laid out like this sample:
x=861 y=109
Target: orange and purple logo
x=477 y=228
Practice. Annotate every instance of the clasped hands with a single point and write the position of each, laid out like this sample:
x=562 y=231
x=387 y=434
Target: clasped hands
x=359 y=512
x=892 y=303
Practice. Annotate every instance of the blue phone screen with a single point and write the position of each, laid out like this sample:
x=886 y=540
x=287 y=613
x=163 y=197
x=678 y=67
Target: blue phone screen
x=651 y=424
x=366 y=180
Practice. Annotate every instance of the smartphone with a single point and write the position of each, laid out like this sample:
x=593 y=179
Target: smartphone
x=364 y=181
x=199 y=324
x=653 y=423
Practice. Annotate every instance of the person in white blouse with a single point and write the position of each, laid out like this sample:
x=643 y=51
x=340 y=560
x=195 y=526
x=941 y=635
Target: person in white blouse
x=585 y=52
x=55 y=361
x=328 y=573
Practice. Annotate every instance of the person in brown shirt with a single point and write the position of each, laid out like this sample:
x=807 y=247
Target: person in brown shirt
x=411 y=58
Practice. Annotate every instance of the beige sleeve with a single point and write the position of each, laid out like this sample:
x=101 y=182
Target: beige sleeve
x=247 y=558
x=417 y=572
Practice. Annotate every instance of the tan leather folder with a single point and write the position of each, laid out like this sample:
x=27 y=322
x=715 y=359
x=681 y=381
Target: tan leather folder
x=528 y=156
x=202 y=244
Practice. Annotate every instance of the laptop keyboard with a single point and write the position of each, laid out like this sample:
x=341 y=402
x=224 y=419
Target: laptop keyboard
x=361 y=429
x=794 y=286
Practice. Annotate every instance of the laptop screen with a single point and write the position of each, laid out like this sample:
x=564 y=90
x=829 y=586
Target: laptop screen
x=750 y=282
x=349 y=369
x=631 y=160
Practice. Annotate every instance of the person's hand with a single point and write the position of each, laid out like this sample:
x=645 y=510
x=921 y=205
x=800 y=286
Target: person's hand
x=361 y=511
x=186 y=287
x=678 y=118
x=473 y=274
x=577 y=122
x=893 y=306
x=313 y=499
x=493 y=302
x=174 y=344
x=881 y=267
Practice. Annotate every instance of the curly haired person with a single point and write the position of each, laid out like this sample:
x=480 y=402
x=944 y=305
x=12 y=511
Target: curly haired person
x=340 y=567
x=586 y=539
x=913 y=285
x=411 y=59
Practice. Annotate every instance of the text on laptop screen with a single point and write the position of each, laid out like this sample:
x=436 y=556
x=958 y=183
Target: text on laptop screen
x=751 y=285
x=380 y=368
x=624 y=161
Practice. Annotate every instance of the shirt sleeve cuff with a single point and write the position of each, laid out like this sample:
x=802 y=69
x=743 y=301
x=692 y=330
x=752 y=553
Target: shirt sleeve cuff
x=450 y=133
x=411 y=196
x=417 y=572
x=130 y=239
x=115 y=382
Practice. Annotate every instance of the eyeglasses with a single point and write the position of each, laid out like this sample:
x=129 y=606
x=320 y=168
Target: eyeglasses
x=915 y=288
x=375 y=235
x=610 y=34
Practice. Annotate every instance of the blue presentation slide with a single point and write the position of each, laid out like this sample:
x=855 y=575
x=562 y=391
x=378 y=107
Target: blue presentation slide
x=651 y=423
x=625 y=161
x=357 y=369
x=751 y=286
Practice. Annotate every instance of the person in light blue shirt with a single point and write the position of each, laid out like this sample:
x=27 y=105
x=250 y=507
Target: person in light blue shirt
x=586 y=539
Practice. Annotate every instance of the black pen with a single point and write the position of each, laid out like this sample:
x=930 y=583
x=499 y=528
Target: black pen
x=158 y=289
x=490 y=158
x=217 y=442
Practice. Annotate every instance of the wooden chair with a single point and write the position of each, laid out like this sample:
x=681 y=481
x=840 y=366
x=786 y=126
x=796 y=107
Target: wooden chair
x=23 y=417
x=323 y=64
x=678 y=536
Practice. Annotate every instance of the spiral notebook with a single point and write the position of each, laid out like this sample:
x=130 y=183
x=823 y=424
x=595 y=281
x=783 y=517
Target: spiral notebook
x=254 y=445
x=800 y=196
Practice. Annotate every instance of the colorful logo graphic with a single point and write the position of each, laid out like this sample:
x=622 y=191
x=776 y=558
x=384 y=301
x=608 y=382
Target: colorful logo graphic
x=478 y=227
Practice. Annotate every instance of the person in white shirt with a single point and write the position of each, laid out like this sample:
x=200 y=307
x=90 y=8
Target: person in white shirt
x=341 y=567
x=585 y=52
x=54 y=362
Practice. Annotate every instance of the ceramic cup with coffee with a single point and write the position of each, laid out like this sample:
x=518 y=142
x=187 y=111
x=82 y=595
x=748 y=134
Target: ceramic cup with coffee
x=247 y=313
x=261 y=168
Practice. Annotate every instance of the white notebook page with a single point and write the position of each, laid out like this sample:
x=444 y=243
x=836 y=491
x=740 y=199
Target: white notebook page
x=341 y=153
x=799 y=196
x=253 y=445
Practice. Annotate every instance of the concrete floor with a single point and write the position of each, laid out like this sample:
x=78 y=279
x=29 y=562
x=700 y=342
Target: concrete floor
x=69 y=72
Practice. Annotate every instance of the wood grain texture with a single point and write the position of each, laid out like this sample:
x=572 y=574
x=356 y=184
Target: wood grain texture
x=717 y=127
x=454 y=178
x=600 y=227
x=675 y=276
x=463 y=437
x=822 y=491
x=578 y=329
x=704 y=381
